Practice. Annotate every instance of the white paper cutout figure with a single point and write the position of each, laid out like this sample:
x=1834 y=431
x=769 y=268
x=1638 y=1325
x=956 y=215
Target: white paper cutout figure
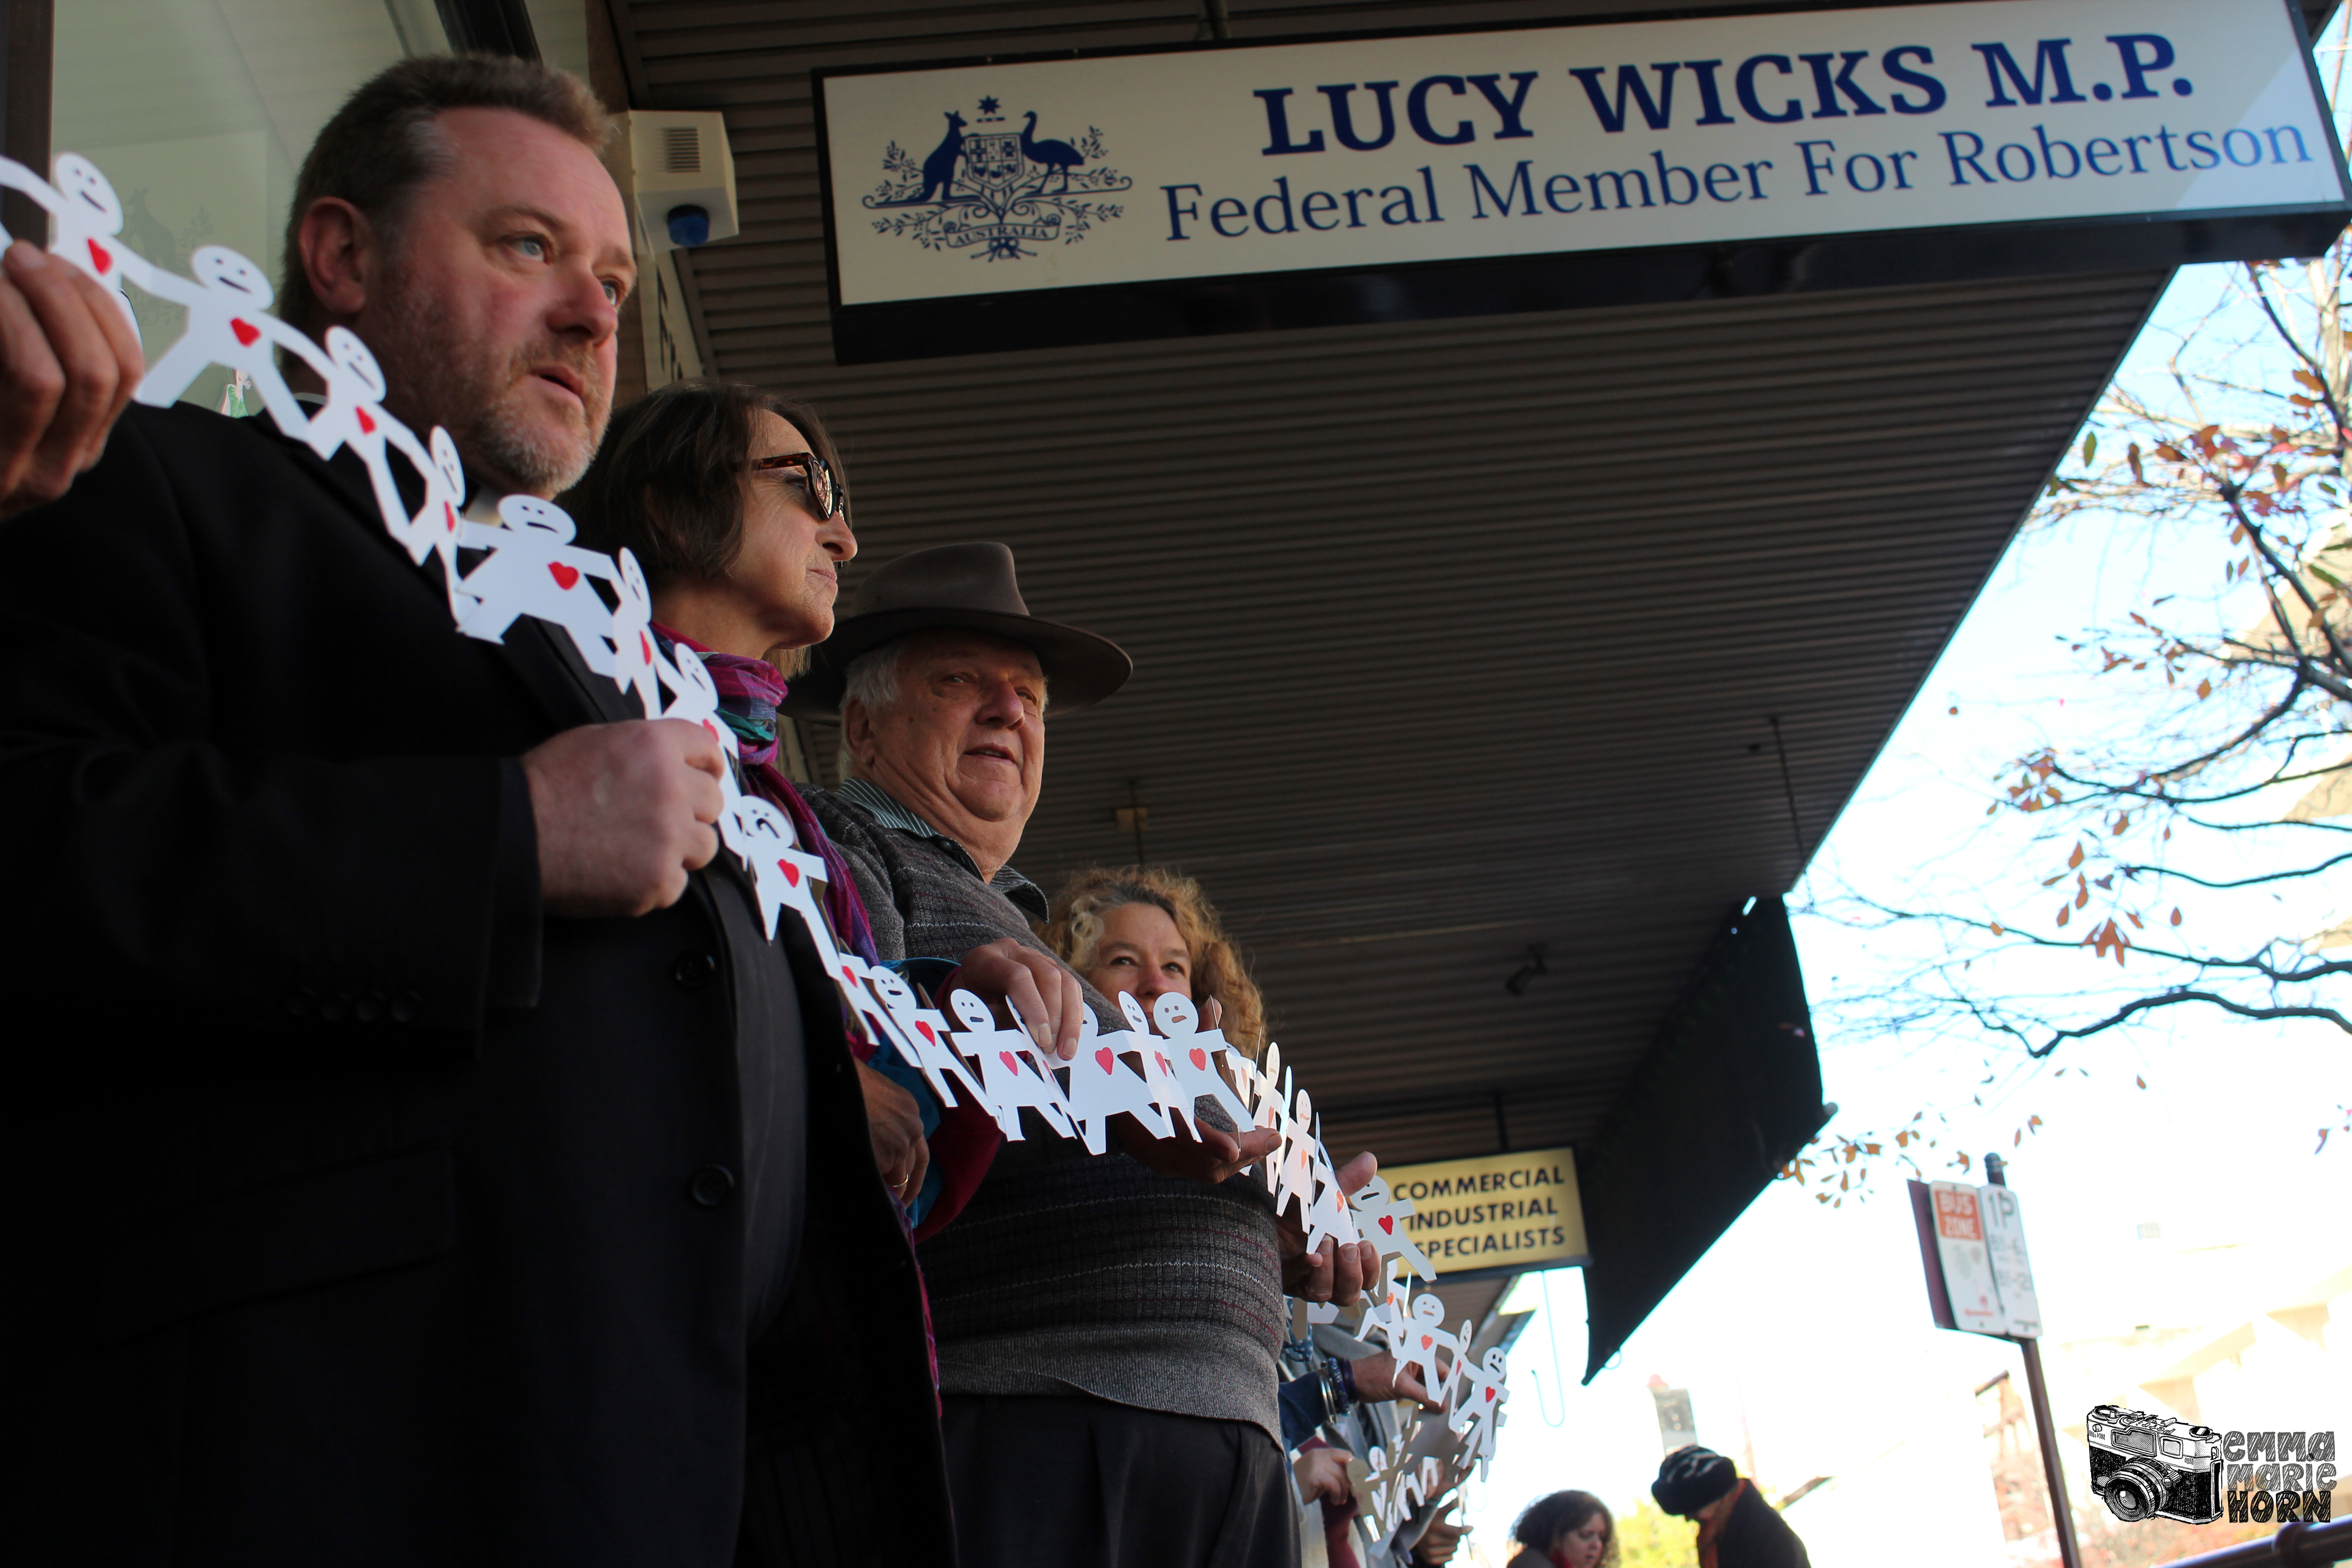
x=353 y=410
x=1415 y=1484
x=1292 y=1179
x=353 y=416
x=1011 y=1075
x=762 y=837
x=634 y=666
x=923 y=1038
x=1477 y=1408
x=1193 y=1056
x=1426 y=1343
x=1263 y=1079
x=88 y=219
x=228 y=325
x=1103 y=1086
x=438 y=525
x=1388 y=1311
x=693 y=698
x=535 y=570
x=1153 y=1066
x=1381 y=1218
x=1328 y=1217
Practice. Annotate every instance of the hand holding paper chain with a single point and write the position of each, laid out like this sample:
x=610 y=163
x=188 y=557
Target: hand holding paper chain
x=228 y=325
x=87 y=215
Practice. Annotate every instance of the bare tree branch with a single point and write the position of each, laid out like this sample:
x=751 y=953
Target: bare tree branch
x=2242 y=881
x=2175 y=998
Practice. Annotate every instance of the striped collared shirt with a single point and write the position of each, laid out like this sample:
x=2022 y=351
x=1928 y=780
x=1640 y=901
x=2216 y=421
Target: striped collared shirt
x=1026 y=896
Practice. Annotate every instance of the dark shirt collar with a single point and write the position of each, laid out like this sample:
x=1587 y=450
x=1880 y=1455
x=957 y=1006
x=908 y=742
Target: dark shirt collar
x=1025 y=895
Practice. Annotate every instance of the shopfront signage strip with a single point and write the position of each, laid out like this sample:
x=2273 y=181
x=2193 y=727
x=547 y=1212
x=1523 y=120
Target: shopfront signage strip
x=1268 y=166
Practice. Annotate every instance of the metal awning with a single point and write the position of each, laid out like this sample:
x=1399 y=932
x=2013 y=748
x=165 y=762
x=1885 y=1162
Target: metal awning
x=1451 y=637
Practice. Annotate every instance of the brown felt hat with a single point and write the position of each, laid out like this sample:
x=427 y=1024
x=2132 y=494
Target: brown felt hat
x=960 y=588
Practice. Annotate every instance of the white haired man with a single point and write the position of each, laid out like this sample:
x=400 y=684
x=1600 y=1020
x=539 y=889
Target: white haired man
x=1110 y=1322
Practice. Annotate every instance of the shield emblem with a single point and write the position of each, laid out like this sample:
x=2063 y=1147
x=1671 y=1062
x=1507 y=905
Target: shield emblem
x=992 y=161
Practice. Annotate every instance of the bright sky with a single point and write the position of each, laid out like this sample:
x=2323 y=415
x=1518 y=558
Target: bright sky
x=1810 y=1324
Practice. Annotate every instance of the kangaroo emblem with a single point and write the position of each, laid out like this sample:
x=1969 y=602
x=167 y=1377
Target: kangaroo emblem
x=939 y=169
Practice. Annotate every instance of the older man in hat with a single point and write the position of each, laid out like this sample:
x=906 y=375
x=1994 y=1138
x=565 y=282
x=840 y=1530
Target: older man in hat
x=1107 y=1324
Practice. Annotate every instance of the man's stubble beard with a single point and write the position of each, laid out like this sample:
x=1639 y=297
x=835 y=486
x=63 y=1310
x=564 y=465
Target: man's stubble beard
x=439 y=378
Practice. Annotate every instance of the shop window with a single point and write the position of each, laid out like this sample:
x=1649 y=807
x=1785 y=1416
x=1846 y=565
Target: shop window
x=199 y=112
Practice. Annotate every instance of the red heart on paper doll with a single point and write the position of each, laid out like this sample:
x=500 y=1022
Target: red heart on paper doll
x=647 y=644
x=246 y=332
x=1103 y=1058
x=1490 y=1396
x=1424 y=1341
x=1199 y=1058
x=929 y=1037
x=849 y=974
x=449 y=516
x=367 y=426
x=564 y=575
x=1388 y=1225
x=792 y=872
x=1010 y=1065
x=1162 y=1061
x=101 y=258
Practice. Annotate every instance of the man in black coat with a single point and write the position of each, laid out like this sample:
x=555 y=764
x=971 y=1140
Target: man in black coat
x=420 y=1155
x=1736 y=1528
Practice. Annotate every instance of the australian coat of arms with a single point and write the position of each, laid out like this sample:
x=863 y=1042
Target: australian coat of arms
x=990 y=191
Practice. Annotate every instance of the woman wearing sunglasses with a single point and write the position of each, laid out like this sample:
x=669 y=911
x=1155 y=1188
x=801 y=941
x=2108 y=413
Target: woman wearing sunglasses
x=732 y=499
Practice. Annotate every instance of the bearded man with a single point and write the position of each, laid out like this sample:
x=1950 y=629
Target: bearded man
x=421 y=1150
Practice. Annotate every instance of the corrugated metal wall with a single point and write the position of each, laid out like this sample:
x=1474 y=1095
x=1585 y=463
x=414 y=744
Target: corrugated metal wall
x=1451 y=638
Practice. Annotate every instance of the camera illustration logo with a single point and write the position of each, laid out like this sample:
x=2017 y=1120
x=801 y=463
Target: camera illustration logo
x=2145 y=1465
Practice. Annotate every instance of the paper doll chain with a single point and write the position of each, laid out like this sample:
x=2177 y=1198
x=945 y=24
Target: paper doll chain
x=532 y=568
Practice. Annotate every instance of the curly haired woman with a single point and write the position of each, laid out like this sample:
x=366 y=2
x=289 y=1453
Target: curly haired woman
x=1146 y=931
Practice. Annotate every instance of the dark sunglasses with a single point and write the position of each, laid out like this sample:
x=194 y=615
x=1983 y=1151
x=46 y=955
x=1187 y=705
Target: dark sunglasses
x=815 y=479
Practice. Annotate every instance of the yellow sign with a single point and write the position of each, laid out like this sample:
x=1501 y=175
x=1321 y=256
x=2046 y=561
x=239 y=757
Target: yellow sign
x=1517 y=1210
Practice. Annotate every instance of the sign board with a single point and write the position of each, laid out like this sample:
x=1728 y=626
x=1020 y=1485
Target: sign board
x=1730 y=137
x=1966 y=1263
x=1972 y=1245
x=2012 y=1271
x=1677 y=1427
x=1515 y=1211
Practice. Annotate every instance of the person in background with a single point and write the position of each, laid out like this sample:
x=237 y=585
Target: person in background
x=1108 y=1325
x=1565 y=1530
x=1736 y=1528
x=1145 y=932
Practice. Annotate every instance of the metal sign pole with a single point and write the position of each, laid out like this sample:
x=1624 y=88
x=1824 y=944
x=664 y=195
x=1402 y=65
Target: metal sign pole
x=2069 y=1553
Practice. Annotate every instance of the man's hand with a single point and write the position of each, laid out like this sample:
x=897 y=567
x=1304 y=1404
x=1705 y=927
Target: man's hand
x=895 y=1123
x=1336 y=1272
x=624 y=811
x=1041 y=990
x=1213 y=1158
x=1437 y=1543
x=69 y=364
x=1378 y=1378
x=1323 y=1473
